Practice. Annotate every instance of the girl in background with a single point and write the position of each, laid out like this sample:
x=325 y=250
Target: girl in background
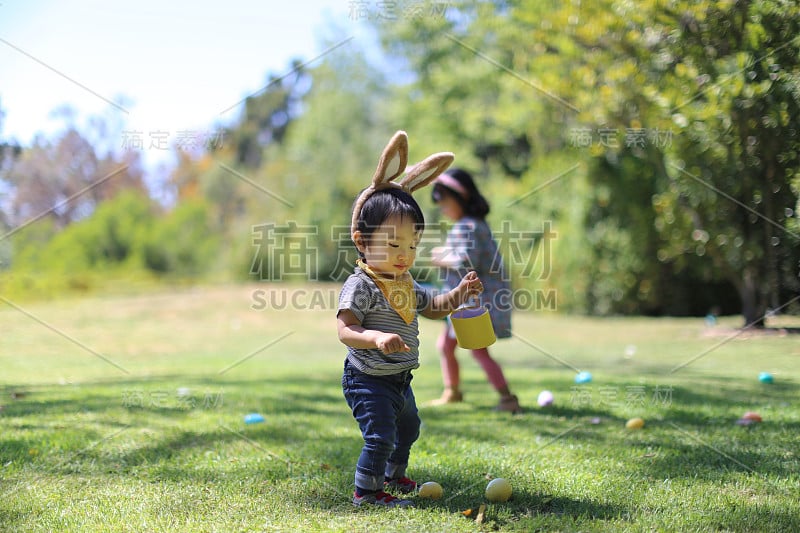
x=470 y=246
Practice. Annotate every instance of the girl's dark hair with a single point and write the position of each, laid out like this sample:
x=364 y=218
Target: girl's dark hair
x=474 y=204
x=384 y=204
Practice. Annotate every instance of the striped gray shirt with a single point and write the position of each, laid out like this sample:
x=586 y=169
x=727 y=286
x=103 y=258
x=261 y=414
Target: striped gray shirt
x=361 y=296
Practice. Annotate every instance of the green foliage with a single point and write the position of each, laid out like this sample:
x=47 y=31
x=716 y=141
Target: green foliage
x=466 y=91
x=111 y=235
x=108 y=237
x=702 y=196
x=125 y=236
x=700 y=206
x=307 y=184
x=537 y=222
x=721 y=79
x=46 y=261
x=626 y=245
x=181 y=243
x=267 y=115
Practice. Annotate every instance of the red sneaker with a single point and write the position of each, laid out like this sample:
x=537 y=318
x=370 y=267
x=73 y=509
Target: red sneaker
x=403 y=484
x=380 y=498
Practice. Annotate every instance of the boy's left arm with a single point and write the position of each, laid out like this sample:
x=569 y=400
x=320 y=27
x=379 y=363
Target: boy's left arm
x=442 y=305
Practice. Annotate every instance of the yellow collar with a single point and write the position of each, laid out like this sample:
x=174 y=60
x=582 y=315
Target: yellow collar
x=399 y=292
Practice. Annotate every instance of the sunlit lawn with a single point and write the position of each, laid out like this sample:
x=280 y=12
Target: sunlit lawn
x=126 y=412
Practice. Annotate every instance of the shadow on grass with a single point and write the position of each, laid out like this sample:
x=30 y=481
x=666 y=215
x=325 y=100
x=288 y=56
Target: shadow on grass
x=303 y=413
x=463 y=493
x=77 y=424
x=760 y=453
x=471 y=495
x=544 y=427
x=697 y=435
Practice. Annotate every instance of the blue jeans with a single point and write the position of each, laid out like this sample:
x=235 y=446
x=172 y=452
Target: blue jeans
x=386 y=411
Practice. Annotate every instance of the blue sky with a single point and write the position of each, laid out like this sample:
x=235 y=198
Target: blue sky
x=164 y=66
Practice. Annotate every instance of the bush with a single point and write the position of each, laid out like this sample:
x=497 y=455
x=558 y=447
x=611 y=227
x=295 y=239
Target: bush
x=125 y=238
x=182 y=243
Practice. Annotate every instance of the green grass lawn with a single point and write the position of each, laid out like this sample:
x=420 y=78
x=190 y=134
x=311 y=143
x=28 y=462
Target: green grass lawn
x=126 y=413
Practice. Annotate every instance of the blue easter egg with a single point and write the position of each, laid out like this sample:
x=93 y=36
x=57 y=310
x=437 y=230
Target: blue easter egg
x=253 y=418
x=583 y=377
x=765 y=377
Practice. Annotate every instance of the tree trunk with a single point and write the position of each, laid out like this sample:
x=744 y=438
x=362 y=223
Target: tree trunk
x=753 y=308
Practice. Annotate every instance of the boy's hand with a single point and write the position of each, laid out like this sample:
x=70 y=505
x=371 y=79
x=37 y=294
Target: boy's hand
x=443 y=304
x=391 y=343
x=470 y=286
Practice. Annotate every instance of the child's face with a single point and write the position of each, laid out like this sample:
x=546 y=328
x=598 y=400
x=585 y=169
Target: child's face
x=450 y=207
x=392 y=249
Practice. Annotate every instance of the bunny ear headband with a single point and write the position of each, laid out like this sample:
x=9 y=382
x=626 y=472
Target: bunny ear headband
x=392 y=163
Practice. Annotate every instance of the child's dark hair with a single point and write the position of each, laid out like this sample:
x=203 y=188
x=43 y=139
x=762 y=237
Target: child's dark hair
x=473 y=204
x=384 y=204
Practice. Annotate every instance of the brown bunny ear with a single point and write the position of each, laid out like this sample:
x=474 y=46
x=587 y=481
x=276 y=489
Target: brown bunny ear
x=391 y=164
x=426 y=171
x=393 y=160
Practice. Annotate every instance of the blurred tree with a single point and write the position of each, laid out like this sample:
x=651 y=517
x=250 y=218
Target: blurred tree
x=65 y=179
x=721 y=81
x=112 y=235
x=48 y=261
x=463 y=83
x=687 y=113
x=183 y=242
x=9 y=152
x=267 y=115
x=204 y=177
x=185 y=177
x=330 y=154
x=470 y=86
x=300 y=175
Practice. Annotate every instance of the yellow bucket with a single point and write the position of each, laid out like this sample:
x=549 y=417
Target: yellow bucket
x=473 y=327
